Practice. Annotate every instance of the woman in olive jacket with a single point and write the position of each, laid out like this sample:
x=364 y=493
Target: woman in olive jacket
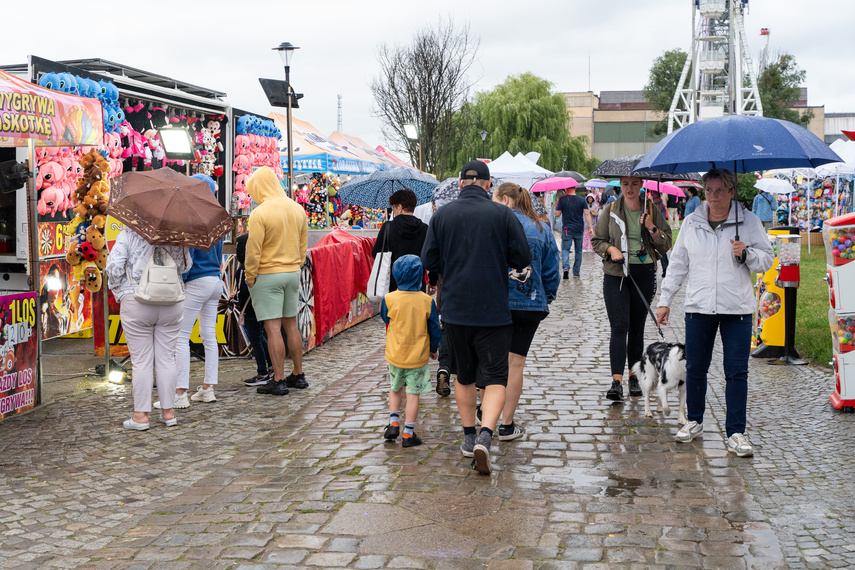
x=630 y=239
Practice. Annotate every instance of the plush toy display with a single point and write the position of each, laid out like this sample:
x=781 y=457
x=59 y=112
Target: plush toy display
x=87 y=247
x=256 y=144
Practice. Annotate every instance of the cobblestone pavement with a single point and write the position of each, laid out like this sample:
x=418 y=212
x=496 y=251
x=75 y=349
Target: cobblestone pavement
x=307 y=481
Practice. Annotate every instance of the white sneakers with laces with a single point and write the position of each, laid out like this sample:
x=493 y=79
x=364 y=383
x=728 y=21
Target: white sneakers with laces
x=203 y=395
x=689 y=432
x=738 y=443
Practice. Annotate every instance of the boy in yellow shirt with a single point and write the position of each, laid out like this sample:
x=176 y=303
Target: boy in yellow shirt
x=412 y=338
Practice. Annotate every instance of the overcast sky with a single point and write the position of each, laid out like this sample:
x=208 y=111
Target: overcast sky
x=226 y=45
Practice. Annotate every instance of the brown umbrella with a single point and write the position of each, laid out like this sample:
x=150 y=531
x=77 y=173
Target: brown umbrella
x=168 y=208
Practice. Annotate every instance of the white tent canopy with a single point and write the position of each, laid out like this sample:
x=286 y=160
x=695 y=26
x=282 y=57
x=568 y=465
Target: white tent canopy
x=846 y=150
x=517 y=169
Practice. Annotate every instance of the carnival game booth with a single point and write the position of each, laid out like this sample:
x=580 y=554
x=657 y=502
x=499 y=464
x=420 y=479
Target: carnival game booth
x=32 y=121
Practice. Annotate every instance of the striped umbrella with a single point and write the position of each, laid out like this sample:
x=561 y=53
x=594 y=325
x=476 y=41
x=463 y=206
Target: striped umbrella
x=373 y=191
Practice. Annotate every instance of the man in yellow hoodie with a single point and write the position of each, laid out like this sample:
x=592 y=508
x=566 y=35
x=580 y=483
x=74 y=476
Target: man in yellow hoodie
x=275 y=252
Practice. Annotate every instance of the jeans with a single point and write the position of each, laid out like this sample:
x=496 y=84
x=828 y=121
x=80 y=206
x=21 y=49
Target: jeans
x=254 y=331
x=627 y=314
x=566 y=240
x=736 y=342
x=201 y=297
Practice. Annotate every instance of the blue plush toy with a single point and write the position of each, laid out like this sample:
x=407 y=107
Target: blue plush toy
x=50 y=81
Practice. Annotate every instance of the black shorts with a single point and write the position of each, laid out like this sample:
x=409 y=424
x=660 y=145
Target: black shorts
x=480 y=354
x=524 y=327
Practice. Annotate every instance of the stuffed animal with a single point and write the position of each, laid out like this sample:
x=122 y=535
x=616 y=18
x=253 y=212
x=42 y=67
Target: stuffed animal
x=92 y=278
x=99 y=221
x=72 y=256
x=95 y=237
x=101 y=260
x=50 y=174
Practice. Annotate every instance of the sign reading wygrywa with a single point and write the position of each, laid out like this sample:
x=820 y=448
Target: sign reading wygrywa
x=18 y=353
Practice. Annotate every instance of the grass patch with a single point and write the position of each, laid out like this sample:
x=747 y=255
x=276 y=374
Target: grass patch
x=355 y=471
x=813 y=334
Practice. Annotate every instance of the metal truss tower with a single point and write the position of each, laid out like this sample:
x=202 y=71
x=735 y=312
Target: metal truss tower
x=718 y=77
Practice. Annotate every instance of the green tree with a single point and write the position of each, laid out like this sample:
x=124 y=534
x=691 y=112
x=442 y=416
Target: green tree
x=779 y=86
x=522 y=115
x=662 y=83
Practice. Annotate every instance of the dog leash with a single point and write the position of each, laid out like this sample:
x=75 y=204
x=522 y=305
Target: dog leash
x=646 y=304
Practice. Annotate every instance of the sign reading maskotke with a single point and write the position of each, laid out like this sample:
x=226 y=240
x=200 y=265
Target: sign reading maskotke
x=18 y=352
x=28 y=111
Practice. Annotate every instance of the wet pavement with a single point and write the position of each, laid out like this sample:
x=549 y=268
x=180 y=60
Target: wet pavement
x=306 y=480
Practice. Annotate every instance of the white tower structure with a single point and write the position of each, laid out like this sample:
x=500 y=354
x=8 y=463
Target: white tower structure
x=718 y=77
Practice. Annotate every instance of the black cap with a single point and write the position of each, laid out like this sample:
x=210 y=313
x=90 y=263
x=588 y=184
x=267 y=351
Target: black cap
x=475 y=169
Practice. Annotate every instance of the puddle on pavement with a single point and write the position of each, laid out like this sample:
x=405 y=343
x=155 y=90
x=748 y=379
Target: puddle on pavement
x=622 y=486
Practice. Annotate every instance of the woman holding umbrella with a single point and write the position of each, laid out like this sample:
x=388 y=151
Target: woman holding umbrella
x=717 y=249
x=150 y=330
x=629 y=238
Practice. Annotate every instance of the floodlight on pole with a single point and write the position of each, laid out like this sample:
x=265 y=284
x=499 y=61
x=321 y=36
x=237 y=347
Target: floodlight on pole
x=483 y=141
x=286 y=52
x=412 y=133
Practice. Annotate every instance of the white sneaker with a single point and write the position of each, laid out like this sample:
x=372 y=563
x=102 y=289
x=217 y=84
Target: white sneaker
x=181 y=402
x=203 y=395
x=688 y=432
x=738 y=443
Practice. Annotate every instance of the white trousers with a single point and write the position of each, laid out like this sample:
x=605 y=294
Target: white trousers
x=151 y=332
x=201 y=297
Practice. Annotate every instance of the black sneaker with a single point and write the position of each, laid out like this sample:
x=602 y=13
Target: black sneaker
x=513 y=431
x=566 y=275
x=257 y=380
x=634 y=387
x=443 y=388
x=615 y=393
x=274 y=388
x=392 y=431
x=296 y=381
x=411 y=441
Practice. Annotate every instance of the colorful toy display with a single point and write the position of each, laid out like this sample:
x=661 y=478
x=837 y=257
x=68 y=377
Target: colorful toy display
x=770 y=304
x=842 y=241
x=87 y=247
x=844 y=332
x=256 y=145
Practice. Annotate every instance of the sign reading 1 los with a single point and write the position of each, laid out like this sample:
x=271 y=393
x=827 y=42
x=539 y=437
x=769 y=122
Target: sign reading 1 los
x=23 y=313
x=18 y=353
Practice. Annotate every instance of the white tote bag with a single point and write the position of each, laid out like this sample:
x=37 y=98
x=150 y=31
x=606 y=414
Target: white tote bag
x=381 y=274
x=159 y=284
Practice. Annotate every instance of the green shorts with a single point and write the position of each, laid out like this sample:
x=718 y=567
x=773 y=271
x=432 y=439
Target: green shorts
x=274 y=295
x=417 y=380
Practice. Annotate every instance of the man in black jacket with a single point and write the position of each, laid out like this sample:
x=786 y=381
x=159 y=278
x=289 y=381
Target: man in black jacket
x=471 y=242
x=404 y=234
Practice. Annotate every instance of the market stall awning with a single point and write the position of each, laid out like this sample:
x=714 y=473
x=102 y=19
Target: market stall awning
x=371 y=158
x=312 y=151
x=392 y=158
x=50 y=118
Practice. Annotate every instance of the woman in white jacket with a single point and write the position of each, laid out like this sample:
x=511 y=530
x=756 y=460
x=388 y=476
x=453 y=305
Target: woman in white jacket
x=719 y=296
x=150 y=330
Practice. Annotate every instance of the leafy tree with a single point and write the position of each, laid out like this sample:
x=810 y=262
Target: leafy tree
x=425 y=83
x=522 y=115
x=662 y=83
x=779 y=90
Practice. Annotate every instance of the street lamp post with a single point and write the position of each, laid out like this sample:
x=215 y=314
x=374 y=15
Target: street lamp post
x=563 y=162
x=483 y=140
x=286 y=51
x=412 y=133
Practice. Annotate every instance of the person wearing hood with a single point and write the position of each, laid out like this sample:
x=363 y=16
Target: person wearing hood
x=275 y=252
x=203 y=288
x=404 y=234
x=718 y=247
x=412 y=337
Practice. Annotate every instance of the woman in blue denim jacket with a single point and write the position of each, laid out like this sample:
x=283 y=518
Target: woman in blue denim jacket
x=529 y=300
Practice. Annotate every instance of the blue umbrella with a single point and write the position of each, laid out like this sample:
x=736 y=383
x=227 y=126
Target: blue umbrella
x=740 y=143
x=373 y=191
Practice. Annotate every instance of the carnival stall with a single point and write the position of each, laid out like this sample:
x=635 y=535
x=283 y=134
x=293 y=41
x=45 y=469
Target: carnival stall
x=34 y=121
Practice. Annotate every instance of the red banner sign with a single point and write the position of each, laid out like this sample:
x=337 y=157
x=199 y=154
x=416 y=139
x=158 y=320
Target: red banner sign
x=18 y=353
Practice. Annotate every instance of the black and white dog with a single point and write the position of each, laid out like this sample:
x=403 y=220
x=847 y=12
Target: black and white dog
x=663 y=368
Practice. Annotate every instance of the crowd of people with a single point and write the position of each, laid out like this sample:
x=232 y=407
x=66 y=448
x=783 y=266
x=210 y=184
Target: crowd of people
x=469 y=289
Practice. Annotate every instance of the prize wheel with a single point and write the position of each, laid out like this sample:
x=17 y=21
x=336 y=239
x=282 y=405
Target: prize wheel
x=236 y=344
x=306 y=303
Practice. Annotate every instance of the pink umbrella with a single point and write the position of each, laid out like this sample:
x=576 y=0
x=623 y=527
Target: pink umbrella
x=556 y=183
x=663 y=188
